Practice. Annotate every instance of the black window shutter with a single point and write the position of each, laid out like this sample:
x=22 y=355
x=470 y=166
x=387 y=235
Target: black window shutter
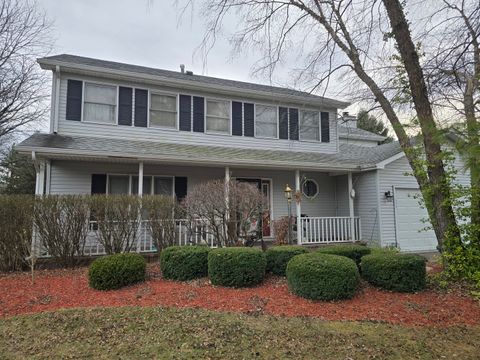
x=283 y=123
x=185 y=112
x=198 y=114
x=180 y=187
x=237 y=118
x=293 y=123
x=74 y=100
x=141 y=107
x=99 y=183
x=125 y=106
x=325 y=127
x=248 y=120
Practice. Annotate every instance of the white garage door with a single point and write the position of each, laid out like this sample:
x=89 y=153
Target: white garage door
x=409 y=215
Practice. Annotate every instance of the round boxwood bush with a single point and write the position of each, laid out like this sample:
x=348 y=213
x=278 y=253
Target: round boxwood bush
x=184 y=262
x=320 y=276
x=279 y=256
x=236 y=266
x=116 y=271
x=397 y=272
x=354 y=252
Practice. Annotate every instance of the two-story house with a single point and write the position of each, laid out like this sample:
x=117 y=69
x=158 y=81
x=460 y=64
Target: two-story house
x=125 y=129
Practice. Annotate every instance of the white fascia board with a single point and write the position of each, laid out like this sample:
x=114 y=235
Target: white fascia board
x=191 y=85
x=185 y=160
x=382 y=164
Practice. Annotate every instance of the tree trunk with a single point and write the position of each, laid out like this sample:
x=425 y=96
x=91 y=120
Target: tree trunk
x=437 y=194
x=473 y=139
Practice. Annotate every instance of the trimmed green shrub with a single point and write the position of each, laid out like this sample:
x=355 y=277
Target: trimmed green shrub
x=116 y=271
x=320 y=276
x=236 y=266
x=397 y=272
x=279 y=256
x=184 y=262
x=354 y=252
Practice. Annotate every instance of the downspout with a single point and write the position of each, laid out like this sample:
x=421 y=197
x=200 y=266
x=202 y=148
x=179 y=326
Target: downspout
x=57 y=99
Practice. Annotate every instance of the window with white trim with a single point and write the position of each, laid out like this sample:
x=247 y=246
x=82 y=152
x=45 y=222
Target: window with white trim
x=218 y=116
x=118 y=184
x=309 y=125
x=163 y=185
x=310 y=188
x=163 y=111
x=100 y=103
x=266 y=121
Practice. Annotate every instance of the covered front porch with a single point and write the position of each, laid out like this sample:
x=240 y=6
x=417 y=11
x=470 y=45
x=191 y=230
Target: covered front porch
x=321 y=204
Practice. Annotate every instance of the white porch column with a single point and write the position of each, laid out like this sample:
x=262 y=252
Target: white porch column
x=140 y=178
x=298 y=207
x=40 y=178
x=350 y=207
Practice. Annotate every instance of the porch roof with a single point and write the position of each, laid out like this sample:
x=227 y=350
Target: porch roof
x=349 y=158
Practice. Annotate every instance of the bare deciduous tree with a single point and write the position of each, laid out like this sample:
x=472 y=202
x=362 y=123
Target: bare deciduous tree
x=370 y=46
x=24 y=36
x=228 y=219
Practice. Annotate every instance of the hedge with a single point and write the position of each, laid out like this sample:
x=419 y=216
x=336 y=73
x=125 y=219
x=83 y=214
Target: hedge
x=236 y=266
x=184 y=262
x=116 y=271
x=397 y=272
x=279 y=256
x=354 y=252
x=320 y=276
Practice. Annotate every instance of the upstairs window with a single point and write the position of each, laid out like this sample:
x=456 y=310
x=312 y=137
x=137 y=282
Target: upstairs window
x=163 y=111
x=266 y=121
x=218 y=116
x=100 y=103
x=309 y=125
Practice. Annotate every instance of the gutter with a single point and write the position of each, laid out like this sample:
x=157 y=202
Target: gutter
x=192 y=85
x=182 y=159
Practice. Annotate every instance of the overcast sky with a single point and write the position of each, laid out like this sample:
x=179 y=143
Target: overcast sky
x=142 y=32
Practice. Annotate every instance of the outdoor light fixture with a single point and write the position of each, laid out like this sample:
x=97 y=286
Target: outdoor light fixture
x=288 y=196
x=288 y=193
x=388 y=195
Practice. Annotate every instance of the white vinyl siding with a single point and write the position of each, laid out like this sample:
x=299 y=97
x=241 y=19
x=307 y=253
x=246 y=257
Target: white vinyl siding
x=100 y=103
x=166 y=135
x=309 y=124
x=218 y=116
x=266 y=121
x=163 y=111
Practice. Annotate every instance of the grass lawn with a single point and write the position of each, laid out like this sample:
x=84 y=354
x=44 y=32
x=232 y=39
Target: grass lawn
x=134 y=332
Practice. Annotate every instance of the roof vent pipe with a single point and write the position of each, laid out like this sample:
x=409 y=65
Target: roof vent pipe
x=182 y=68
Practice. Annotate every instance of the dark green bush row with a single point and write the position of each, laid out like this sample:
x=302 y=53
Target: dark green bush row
x=236 y=266
x=397 y=272
x=116 y=271
x=184 y=262
x=279 y=256
x=320 y=276
x=354 y=252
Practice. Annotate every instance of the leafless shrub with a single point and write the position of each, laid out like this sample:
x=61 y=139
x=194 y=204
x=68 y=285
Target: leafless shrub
x=280 y=228
x=118 y=219
x=228 y=219
x=61 y=223
x=16 y=215
x=161 y=212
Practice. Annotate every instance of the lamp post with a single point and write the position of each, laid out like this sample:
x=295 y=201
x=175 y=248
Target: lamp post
x=288 y=196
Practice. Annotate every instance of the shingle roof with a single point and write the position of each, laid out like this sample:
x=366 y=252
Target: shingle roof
x=349 y=157
x=356 y=133
x=177 y=75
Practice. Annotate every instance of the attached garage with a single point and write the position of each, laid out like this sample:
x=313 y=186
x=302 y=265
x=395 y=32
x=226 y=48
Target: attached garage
x=410 y=222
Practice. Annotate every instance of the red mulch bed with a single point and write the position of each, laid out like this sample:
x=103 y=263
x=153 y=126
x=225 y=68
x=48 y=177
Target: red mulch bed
x=55 y=289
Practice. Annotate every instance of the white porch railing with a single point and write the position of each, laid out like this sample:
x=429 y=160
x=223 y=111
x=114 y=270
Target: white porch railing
x=324 y=230
x=185 y=234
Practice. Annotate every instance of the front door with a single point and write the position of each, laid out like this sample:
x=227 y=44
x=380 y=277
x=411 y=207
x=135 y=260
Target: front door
x=264 y=185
